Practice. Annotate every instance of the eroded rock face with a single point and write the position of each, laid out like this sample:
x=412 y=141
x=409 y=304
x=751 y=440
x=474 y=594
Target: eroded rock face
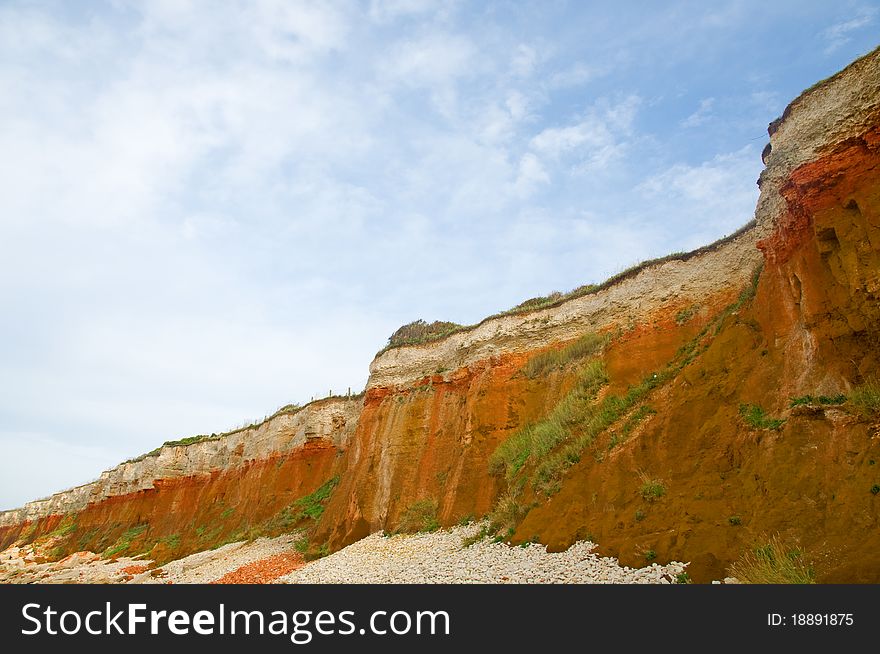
x=187 y=497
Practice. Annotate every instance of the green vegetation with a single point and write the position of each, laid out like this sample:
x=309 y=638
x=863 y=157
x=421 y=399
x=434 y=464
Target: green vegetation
x=419 y=517
x=66 y=527
x=86 y=537
x=866 y=398
x=201 y=438
x=124 y=541
x=466 y=520
x=773 y=563
x=309 y=507
x=587 y=345
x=632 y=421
x=419 y=331
x=172 y=541
x=485 y=532
x=539 y=454
x=536 y=303
x=735 y=520
x=807 y=400
x=227 y=513
x=875 y=489
x=651 y=489
x=684 y=316
x=682 y=578
x=508 y=511
x=640 y=515
x=536 y=440
x=756 y=418
x=303 y=513
x=650 y=555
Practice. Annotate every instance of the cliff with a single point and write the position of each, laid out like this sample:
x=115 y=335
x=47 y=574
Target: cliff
x=671 y=411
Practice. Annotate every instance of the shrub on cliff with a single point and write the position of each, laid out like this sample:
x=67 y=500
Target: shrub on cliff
x=420 y=331
x=866 y=398
x=773 y=563
x=420 y=516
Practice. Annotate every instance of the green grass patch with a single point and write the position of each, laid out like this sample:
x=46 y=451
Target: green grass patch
x=684 y=316
x=508 y=511
x=123 y=543
x=419 y=331
x=309 y=507
x=756 y=418
x=419 y=517
x=812 y=400
x=536 y=440
x=585 y=346
x=65 y=528
x=865 y=399
x=651 y=489
x=172 y=541
x=773 y=563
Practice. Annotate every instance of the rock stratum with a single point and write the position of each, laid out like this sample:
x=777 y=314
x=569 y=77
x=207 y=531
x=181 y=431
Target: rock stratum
x=682 y=412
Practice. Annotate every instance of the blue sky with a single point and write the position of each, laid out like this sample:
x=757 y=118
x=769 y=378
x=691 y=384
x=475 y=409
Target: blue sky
x=209 y=210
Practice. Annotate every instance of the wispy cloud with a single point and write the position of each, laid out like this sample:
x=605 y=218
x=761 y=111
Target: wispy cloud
x=841 y=32
x=701 y=115
x=593 y=141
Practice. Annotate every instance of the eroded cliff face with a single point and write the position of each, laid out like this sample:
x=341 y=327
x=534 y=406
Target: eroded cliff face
x=185 y=498
x=811 y=329
x=787 y=308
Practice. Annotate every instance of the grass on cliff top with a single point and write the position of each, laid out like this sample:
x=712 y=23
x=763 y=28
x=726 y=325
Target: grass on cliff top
x=287 y=409
x=773 y=563
x=420 y=332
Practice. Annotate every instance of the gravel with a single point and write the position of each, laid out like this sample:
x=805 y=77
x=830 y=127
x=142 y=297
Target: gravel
x=210 y=565
x=439 y=557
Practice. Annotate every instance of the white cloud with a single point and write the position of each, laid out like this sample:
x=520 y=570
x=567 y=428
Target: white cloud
x=839 y=34
x=593 y=142
x=576 y=75
x=709 y=198
x=531 y=175
x=384 y=11
x=701 y=115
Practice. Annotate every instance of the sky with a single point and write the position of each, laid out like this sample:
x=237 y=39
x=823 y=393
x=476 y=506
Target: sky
x=209 y=210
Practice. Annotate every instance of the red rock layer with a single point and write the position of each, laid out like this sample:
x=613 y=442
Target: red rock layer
x=189 y=514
